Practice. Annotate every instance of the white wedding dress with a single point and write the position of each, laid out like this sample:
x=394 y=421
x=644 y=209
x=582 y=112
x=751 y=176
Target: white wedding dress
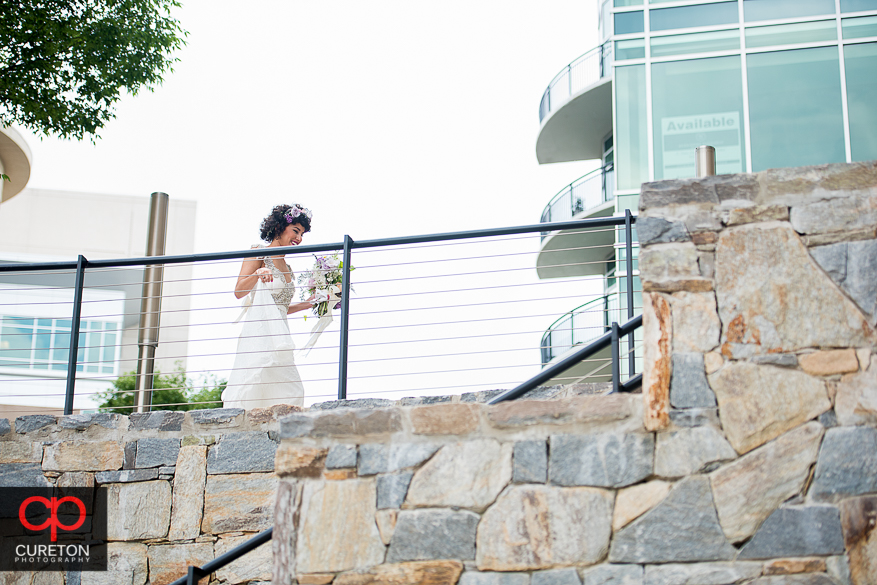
x=264 y=372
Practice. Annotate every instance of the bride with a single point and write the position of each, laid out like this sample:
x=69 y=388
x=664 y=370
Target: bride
x=264 y=372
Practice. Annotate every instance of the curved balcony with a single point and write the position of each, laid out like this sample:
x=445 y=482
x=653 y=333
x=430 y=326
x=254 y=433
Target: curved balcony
x=576 y=109
x=579 y=252
x=15 y=160
x=578 y=327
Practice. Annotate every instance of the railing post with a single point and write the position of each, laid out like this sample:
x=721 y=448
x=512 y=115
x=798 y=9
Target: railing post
x=628 y=243
x=81 y=263
x=704 y=161
x=345 y=319
x=616 y=366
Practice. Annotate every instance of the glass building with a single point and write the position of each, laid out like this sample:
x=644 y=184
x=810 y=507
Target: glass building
x=768 y=83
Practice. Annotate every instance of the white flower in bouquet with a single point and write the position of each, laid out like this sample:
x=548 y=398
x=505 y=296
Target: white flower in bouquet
x=324 y=282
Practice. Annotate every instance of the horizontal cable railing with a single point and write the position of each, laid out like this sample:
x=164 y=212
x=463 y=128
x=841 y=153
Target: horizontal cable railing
x=454 y=312
x=581 y=73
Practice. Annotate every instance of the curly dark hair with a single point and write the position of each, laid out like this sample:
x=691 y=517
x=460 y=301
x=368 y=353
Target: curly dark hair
x=276 y=222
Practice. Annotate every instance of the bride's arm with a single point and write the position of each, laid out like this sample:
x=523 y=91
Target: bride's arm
x=251 y=271
x=296 y=307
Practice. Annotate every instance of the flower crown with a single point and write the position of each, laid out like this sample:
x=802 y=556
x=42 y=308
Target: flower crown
x=296 y=211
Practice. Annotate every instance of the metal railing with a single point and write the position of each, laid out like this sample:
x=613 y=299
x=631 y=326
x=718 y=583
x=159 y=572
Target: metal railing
x=581 y=325
x=195 y=573
x=585 y=193
x=581 y=73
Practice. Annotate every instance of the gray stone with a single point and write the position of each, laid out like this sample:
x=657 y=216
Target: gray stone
x=480 y=396
x=137 y=511
x=694 y=417
x=153 y=452
x=607 y=574
x=797 y=532
x=702 y=573
x=22 y=475
x=422 y=535
x=688 y=385
x=130 y=454
x=531 y=462
x=80 y=422
x=687 y=451
x=126 y=475
x=682 y=528
x=476 y=578
x=383 y=458
x=556 y=577
x=839 y=569
x=234 y=503
x=835 y=214
x=246 y=452
x=602 y=460
x=213 y=416
x=167 y=470
x=341 y=456
x=392 y=489
x=296 y=425
x=33 y=422
x=358 y=403
x=828 y=419
x=5 y=427
x=853 y=266
x=847 y=464
x=420 y=400
x=799 y=579
x=163 y=420
x=677 y=192
x=655 y=230
x=785 y=360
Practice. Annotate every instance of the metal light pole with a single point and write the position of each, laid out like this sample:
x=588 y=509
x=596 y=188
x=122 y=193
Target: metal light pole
x=150 y=303
x=704 y=161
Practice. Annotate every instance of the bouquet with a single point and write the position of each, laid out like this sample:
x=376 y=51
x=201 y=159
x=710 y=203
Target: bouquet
x=324 y=282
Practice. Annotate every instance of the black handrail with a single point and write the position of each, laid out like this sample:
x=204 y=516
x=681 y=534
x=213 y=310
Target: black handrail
x=195 y=574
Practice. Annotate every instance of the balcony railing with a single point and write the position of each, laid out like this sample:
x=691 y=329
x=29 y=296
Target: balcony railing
x=581 y=325
x=584 y=71
x=587 y=192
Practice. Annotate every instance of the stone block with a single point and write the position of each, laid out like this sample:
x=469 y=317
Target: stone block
x=470 y=474
x=634 y=501
x=126 y=565
x=270 y=414
x=188 y=500
x=757 y=213
x=162 y=420
x=392 y=489
x=167 y=563
x=829 y=362
x=256 y=565
x=859 y=518
x=421 y=572
x=217 y=416
x=476 y=578
x=420 y=400
x=696 y=327
x=153 y=452
x=482 y=396
x=76 y=479
x=386 y=521
x=238 y=503
x=343 y=422
x=722 y=573
x=695 y=417
x=803 y=579
x=5 y=427
x=341 y=456
x=794 y=566
x=748 y=490
x=540 y=527
x=83 y=456
x=15 y=452
x=80 y=422
x=692 y=285
x=531 y=462
x=784 y=360
x=300 y=461
x=797 y=532
x=677 y=192
x=189 y=440
x=682 y=528
x=759 y=403
x=595 y=410
x=284 y=536
x=33 y=422
x=607 y=574
x=337 y=530
x=126 y=475
x=556 y=577
x=22 y=475
x=356 y=403
x=657 y=339
x=444 y=419
x=687 y=451
x=138 y=511
x=847 y=464
x=385 y=458
x=688 y=385
x=668 y=262
x=656 y=230
x=838 y=568
x=836 y=214
x=856 y=400
x=339 y=474
x=601 y=460
x=246 y=452
x=318 y=579
x=424 y=535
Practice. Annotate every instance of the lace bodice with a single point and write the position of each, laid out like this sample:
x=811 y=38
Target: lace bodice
x=281 y=290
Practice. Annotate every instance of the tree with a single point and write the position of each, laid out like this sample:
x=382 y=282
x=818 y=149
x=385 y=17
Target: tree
x=65 y=63
x=176 y=390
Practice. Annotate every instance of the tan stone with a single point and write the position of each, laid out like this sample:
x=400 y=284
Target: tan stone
x=31 y=578
x=14 y=452
x=256 y=565
x=748 y=490
x=657 y=339
x=337 y=531
x=421 y=572
x=167 y=563
x=859 y=521
x=386 y=521
x=696 y=326
x=356 y=422
x=794 y=566
x=668 y=262
x=704 y=238
x=694 y=285
x=286 y=519
x=829 y=362
x=758 y=213
x=188 y=502
x=299 y=461
x=76 y=479
x=239 y=502
x=856 y=400
x=578 y=409
x=126 y=565
x=339 y=474
x=83 y=456
x=836 y=237
x=137 y=511
x=469 y=475
x=444 y=419
x=759 y=403
x=712 y=361
x=276 y=412
x=863 y=354
x=536 y=527
x=634 y=501
x=316 y=579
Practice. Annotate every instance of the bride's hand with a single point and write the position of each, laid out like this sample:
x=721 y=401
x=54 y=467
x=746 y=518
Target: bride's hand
x=264 y=274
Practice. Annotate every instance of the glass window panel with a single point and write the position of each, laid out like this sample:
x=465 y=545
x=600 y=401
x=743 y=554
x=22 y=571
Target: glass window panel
x=628 y=2
x=629 y=22
x=788 y=34
x=861 y=63
x=795 y=108
x=93 y=352
x=697 y=102
x=722 y=40
x=857 y=28
x=16 y=339
x=690 y=16
x=632 y=166
x=632 y=49
x=42 y=345
x=857 y=5
x=776 y=9
x=44 y=322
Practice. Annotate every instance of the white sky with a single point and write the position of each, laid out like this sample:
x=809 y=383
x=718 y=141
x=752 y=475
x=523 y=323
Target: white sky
x=385 y=118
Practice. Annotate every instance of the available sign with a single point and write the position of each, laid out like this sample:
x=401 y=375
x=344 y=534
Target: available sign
x=680 y=135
